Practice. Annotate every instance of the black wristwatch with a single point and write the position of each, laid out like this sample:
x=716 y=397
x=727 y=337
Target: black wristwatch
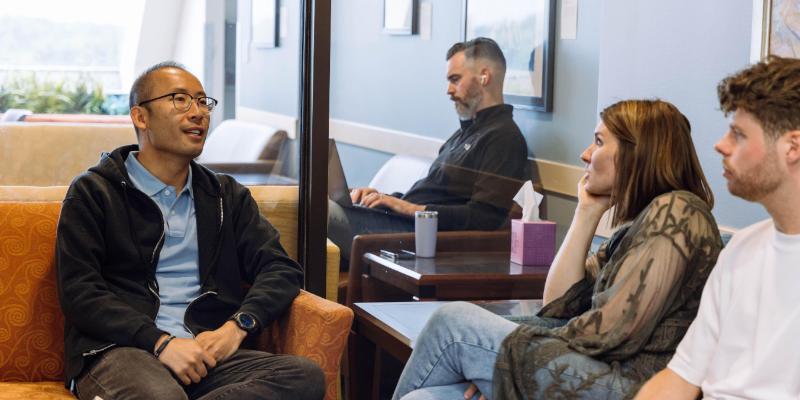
x=246 y=321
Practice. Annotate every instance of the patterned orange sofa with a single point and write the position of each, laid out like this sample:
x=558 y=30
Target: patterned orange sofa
x=31 y=323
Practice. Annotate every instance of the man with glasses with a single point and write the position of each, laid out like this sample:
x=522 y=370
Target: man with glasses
x=151 y=252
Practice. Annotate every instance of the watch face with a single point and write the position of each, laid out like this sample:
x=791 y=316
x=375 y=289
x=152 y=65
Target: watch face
x=246 y=321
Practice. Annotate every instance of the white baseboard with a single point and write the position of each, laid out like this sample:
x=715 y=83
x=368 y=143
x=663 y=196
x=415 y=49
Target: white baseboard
x=556 y=177
x=385 y=140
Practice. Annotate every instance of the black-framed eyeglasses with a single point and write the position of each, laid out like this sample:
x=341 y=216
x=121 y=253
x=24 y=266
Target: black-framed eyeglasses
x=183 y=101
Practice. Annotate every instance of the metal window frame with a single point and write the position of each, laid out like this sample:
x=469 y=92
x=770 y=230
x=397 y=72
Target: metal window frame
x=315 y=48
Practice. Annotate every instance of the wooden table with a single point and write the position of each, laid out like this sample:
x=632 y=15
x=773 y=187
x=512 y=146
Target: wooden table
x=455 y=276
x=392 y=327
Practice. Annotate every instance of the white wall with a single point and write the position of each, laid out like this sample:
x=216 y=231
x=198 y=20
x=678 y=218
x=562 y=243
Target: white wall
x=678 y=51
x=268 y=79
x=130 y=46
x=190 y=36
x=189 y=32
x=213 y=76
x=160 y=24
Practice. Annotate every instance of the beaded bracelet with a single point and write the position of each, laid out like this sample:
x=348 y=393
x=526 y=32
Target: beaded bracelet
x=163 y=346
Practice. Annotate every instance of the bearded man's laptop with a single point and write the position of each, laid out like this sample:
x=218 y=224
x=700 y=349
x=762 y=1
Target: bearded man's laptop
x=338 y=191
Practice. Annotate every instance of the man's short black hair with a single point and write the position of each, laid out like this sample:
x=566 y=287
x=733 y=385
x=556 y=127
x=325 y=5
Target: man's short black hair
x=480 y=47
x=143 y=85
x=140 y=90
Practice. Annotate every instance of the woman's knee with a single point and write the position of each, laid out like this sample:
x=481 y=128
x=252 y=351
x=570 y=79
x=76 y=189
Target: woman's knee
x=453 y=314
x=464 y=319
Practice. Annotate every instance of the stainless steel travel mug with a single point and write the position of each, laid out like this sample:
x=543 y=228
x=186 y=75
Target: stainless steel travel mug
x=426 y=223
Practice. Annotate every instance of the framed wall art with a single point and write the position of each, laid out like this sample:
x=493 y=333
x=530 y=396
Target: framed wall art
x=776 y=29
x=264 y=23
x=398 y=17
x=525 y=31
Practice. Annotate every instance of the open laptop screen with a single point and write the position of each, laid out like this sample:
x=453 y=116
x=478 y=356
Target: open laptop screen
x=337 y=183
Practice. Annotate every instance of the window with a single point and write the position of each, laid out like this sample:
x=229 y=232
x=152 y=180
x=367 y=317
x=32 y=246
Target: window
x=66 y=57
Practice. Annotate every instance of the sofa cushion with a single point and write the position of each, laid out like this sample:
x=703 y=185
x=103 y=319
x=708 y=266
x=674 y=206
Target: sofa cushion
x=274 y=147
x=279 y=204
x=400 y=173
x=235 y=141
x=31 y=324
x=49 y=154
x=54 y=194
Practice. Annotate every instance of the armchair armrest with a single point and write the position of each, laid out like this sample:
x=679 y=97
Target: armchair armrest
x=314 y=328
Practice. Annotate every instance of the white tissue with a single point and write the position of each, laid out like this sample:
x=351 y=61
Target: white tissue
x=529 y=200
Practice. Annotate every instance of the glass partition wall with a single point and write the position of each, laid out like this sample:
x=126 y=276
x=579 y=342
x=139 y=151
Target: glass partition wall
x=425 y=159
x=281 y=81
x=423 y=127
x=282 y=78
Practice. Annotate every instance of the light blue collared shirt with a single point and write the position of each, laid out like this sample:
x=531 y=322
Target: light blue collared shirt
x=178 y=271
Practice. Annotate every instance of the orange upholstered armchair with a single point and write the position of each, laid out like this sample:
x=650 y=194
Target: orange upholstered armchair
x=31 y=323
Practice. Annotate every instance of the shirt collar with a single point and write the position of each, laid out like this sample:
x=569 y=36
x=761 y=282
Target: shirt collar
x=488 y=112
x=147 y=182
x=465 y=123
x=485 y=113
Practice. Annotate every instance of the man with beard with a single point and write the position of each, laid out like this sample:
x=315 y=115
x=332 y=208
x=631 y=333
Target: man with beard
x=743 y=343
x=151 y=253
x=479 y=168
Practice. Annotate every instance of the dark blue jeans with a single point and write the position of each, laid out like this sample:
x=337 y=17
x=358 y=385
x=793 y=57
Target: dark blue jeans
x=132 y=373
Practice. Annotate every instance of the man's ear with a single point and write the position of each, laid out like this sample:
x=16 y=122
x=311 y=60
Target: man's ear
x=139 y=117
x=793 y=153
x=485 y=76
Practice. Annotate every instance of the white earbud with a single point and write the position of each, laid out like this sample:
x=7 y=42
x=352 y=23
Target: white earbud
x=483 y=79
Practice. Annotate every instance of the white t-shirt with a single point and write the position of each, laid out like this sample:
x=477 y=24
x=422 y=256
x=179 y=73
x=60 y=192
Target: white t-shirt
x=745 y=341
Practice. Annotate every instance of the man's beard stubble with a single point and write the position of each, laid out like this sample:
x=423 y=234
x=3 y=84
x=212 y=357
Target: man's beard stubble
x=757 y=183
x=467 y=107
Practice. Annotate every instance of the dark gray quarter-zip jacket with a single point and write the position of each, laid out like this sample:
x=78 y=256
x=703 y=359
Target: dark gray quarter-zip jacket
x=110 y=236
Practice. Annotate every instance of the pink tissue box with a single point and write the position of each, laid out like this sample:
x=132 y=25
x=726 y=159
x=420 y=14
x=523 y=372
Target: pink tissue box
x=533 y=243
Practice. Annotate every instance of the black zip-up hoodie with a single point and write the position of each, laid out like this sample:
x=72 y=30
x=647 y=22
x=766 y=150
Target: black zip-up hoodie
x=110 y=236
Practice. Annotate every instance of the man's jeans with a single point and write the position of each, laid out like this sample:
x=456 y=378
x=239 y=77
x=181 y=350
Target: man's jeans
x=132 y=373
x=345 y=223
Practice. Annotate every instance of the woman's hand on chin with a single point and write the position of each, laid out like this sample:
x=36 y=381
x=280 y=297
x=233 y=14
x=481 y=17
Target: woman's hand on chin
x=595 y=204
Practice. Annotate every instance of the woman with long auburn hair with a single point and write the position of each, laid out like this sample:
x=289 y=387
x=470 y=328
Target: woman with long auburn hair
x=612 y=319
